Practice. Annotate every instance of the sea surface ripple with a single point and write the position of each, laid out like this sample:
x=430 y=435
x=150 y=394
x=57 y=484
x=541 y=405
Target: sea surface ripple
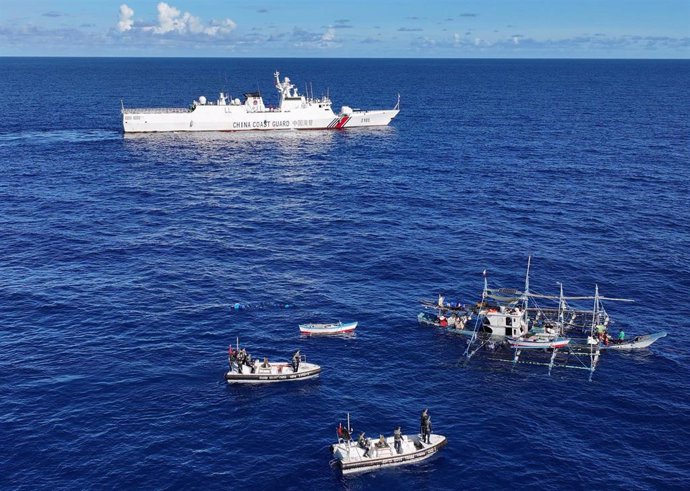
x=122 y=256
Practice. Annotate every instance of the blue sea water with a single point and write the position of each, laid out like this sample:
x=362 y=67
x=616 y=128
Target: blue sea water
x=122 y=256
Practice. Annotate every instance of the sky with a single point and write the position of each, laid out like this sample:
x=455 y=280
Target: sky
x=352 y=28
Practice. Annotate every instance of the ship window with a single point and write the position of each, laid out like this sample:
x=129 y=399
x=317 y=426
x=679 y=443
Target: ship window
x=509 y=331
x=509 y=321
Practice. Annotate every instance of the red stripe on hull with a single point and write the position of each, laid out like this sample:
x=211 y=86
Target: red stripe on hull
x=342 y=122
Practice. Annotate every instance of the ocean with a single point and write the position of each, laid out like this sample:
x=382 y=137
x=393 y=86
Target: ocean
x=122 y=256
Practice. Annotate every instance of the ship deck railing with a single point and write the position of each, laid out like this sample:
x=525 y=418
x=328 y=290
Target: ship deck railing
x=152 y=110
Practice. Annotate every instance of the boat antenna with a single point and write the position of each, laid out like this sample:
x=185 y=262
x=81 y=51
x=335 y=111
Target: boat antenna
x=561 y=309
x=349 y=432
x=312 y=89
x=486 y=286
x=525 y=295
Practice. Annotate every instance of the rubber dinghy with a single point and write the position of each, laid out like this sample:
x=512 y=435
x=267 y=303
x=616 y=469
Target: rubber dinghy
x=261 y=372
x=351 y=459
x=325 y=329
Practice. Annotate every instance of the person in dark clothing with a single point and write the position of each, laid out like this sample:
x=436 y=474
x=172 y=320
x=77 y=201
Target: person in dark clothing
x=296 y=358
x=397 y=439
x=425 y=426
x=363 y=443
x=426 y=431
x=240 y=359
x=346 y=434
x=422 y=420
x=250 y=362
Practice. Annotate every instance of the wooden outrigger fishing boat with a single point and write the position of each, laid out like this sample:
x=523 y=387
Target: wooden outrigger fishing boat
x=508 y=318
x=638 y=342
x=325 y=329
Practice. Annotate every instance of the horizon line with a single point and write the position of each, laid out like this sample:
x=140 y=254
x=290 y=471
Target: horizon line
x=348 y=57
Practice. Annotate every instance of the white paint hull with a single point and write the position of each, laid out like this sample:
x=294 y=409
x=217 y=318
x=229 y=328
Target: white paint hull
x=640 y=342
x=214 y=117
x=277 y=372
x=325 y=329
x=351 y=458
x=539 y=344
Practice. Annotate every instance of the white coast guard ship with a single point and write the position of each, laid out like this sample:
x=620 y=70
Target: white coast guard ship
x=295 y=111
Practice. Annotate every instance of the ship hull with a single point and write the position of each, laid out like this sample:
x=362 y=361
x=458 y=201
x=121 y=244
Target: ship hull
x=228 y=118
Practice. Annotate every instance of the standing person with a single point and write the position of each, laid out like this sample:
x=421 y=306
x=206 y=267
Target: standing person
x=397 y=439
x=240 y=360
x=621 y=335
x=250 y=362
x=363 y=444
x=346 y=434
x=426 y=431
x=422 y=420
x=232 y=355
x=295 y=361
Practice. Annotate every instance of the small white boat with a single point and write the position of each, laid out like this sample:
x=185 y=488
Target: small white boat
x=538 y=342
x=638 y=342
x=259 y=372
x=333 y=328
x=351 y=459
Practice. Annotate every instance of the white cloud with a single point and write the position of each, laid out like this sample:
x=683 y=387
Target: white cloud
x=171 y=20
x=516 y=39
x=329 y=35
x=126 y=18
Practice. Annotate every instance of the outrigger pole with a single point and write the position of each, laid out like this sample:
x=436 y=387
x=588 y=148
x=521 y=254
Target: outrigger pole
x=468 y=351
